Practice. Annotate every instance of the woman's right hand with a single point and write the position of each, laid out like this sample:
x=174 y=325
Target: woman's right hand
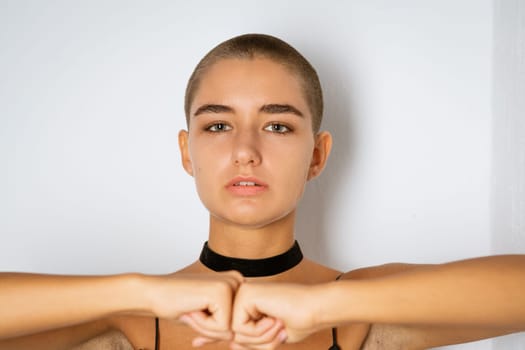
x=202 y=301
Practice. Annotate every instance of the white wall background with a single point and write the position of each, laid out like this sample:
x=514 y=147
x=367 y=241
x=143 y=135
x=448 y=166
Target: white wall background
x=91 y=100
x=508 y=151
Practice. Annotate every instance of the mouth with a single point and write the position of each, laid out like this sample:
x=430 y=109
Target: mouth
x=246 y=183
x=242 y=186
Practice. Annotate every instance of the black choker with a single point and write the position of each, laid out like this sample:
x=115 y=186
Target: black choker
x=252 y=267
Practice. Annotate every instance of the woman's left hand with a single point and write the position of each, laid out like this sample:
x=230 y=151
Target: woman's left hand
x=266 y=315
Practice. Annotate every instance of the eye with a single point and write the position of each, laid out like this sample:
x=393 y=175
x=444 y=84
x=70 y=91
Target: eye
x=218 y=127
x=278 y=128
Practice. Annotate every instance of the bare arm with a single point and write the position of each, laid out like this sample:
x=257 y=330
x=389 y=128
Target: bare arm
x=33 y=303
x=484 y=296
x=482 y=292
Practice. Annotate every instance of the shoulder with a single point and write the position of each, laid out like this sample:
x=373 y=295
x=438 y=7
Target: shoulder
x=381 y=336
x=139 y=330
x=381 y=270
x=112 y=339
x=309 y=271
x=61 y=338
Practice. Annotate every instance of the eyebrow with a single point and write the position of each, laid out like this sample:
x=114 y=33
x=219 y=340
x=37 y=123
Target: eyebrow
x=273 y=108
x=281 y=108
x=212 y=108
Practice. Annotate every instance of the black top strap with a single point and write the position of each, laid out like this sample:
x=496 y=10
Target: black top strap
x=335 y=346
x=157 y=334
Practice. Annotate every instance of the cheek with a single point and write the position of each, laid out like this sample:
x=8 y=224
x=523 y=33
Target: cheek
x=295 y=167
x=207 y=160
x=303 y=157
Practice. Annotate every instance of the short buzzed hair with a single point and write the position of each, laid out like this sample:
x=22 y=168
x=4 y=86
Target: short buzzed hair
x=250 y=46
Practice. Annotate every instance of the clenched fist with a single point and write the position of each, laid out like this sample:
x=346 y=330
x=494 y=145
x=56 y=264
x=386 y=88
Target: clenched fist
x=250 y=315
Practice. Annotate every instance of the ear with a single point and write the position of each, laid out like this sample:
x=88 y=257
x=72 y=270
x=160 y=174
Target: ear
x=322 y=148
x=185 y=152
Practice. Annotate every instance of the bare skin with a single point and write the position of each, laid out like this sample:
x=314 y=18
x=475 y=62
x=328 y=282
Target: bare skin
x=176 y=335
x=242 y=128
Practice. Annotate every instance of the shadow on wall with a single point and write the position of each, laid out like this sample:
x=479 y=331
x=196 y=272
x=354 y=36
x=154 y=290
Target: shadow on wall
x=313 y=229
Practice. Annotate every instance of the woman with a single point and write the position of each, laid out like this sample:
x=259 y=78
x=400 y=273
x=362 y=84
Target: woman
x=253 y=108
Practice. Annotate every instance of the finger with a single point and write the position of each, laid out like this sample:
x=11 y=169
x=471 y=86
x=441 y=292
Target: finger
x=235 y=346
x=263 y=331
x=200 y=341
x=191 y=320
x=271 y=336
x=245 y=312
x=214 y=319
x=205 y=325
x=275 y=343
x=220 y=302
x=236 y=276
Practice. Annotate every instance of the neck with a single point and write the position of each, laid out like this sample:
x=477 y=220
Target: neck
x=252 y=243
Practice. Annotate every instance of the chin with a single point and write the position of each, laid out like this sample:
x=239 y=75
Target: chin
x=246 y=222
x=251 y=221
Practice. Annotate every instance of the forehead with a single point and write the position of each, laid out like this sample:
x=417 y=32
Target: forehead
x=258 y=81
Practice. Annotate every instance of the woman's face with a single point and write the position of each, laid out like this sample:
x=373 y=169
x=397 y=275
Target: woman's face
x=250 y=144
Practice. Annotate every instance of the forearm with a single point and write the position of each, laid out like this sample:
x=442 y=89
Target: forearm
x=484 y=292
x=31 y=303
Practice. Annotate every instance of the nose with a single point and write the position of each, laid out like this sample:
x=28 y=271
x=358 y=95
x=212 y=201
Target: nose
x=246 y=149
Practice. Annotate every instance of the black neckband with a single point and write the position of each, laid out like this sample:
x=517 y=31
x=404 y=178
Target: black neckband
x=252 y=267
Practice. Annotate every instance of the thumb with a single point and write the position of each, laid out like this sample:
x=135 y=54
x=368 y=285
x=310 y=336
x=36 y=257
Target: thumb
x=245 y=313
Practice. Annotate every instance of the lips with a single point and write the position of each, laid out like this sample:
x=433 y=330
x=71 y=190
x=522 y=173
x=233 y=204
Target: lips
x=246 y=186
x=246 y=183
